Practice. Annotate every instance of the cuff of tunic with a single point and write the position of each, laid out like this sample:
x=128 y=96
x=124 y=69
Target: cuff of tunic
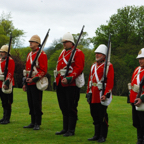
x=35 y=79
x=142 y=98
x=7 y=82
x=69 y=79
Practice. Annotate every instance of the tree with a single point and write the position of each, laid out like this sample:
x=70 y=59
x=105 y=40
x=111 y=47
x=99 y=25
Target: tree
x=85 y=42
x=127 y=37
x=19 y=67
x=6 y=27
x=56 y=45
x=126 y=27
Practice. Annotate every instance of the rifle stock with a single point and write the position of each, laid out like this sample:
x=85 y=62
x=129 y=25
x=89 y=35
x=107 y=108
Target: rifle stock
x=72 y=54
x=105 y=66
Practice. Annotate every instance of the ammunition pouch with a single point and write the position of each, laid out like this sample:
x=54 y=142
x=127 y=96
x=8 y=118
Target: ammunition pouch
x=99 y=85
x=89 y=97
x=25 y=72
x=2 y=77
x=61 y=72
x=135 y=88
x=129 y=86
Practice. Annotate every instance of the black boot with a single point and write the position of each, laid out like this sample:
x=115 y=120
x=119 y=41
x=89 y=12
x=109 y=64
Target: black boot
x=104 y=130
x=71 y=127
x=29 y=126
x=36 y=127
x=37 y=120
x=1 y=119
x=7 y=115
x=139 y=136
x=96 y=135
x=65 y=126
x=103 y=135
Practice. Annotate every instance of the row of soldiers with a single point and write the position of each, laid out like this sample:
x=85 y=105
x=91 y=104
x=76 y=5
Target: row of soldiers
x=68 y=88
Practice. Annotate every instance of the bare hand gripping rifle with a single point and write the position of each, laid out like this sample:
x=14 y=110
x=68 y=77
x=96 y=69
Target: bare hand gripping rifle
x=106 y=65
x=72 y=54
x=37 y=56
x=7 y=59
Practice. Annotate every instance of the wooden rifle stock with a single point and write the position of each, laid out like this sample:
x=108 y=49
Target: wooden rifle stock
x=72 y=54
x=7 y=59
x=105 y=66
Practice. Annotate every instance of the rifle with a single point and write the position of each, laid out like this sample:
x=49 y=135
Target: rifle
x=7 y=59
x=140 y=89
x=37 y=56
x=106 y=63
x=72 y=54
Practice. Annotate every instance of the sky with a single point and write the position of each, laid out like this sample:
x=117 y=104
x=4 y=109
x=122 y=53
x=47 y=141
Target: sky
x=61 y=16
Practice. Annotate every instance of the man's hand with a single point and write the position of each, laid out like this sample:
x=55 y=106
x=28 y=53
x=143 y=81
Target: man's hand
x=64 y=81
x=5 y=87
x=24 y=87
x=139 y=101
x=29 y=80
x=103 y=98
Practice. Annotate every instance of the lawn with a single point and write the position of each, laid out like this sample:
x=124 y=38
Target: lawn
x=121 y=130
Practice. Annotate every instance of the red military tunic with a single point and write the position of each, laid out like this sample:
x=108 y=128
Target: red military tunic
x=76 y=67
x=136 y=78
x=41 y=67
x=99 y=69
x=11 y=68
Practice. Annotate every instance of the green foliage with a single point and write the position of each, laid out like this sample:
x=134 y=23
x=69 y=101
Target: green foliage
x=52 y=62
x=6 y=27
x=85 y=42
x=56 y=45
x=22 y=51
x=19 y=67
x=127 y=38
x=120 y=131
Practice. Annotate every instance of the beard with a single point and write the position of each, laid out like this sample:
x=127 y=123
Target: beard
x=99 y=59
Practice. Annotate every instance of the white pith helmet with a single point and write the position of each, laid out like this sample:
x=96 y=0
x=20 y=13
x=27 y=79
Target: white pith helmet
x=35 y=38
x=101 y=49
x=4 y=48
x=68 y=37
x=140 y=54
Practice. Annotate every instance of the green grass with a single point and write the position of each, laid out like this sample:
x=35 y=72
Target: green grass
x=121 y=130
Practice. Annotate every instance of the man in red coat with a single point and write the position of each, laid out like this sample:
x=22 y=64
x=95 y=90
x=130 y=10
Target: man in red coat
x=138 y=115
x=7 y=98
x=34 y=95
x=98 y=102
x=68 y=92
